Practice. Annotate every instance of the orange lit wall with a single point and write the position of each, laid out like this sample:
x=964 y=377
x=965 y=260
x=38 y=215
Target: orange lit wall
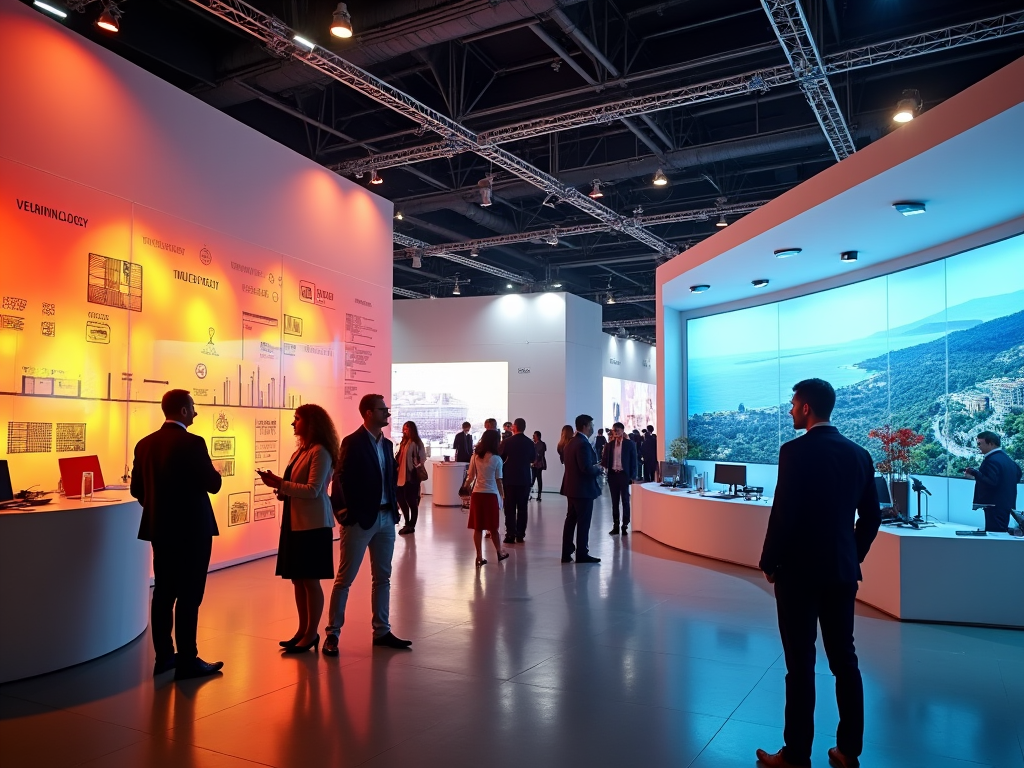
x=150 y=242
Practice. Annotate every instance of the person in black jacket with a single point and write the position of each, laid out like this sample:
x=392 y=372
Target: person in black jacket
x=995 y=482
x=600 y=442
x=580 y=487
x=518 y=454
x=463 y=444
x=638 y=441
x=172 y=477
x=540 y=463
x=363 y=493
x=812 y=554
x=649 y=449
x=619 y=462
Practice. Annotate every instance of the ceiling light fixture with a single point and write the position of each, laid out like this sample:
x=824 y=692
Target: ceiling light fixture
x=610 y=299
x=785 y=253
x=417 y=262
x=908 y=208
x=509 y=286
x=375 y=179
x=399 y=216
x=341 y=23
x=759 y=283
x=455 y=290
x=550 y=200
x=622 y=332
x=848 y=256
x=556 y=284
x=660 y=179
x=907 y=107
x=108 y=19
x=486 y=190
x=475 y=253
x=721 y=223
x=304 y=42
x=699 y=288
x=551 y=239
x=50 y=9
x=595 y=191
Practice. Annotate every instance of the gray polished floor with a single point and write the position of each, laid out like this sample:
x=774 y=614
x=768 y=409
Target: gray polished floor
x=653 y=657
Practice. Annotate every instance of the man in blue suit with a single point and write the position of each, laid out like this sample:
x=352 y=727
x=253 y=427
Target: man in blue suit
x=619 y=461
x=580 y=487
x=812 y=554
x=995 y=482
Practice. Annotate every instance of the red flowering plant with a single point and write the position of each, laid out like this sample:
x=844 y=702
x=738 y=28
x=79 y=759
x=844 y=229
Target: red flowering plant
x=896 y=445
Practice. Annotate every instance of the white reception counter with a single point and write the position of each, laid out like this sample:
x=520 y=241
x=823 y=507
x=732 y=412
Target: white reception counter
x=74 y=583
x=446 y=479
x=920 y=575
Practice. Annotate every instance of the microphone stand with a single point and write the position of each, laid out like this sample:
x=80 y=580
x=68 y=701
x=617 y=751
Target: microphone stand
x=918 y=488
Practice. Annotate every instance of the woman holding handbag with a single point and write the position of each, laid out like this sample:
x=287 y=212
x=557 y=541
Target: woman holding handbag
x=412 y=471
x=484 y=478
x=539 y=464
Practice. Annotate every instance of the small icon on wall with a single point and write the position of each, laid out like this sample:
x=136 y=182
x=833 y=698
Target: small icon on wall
x=97 y=333
x=221 y=422
x=48 y=329
x=210 y=349
x=205 y=256
x=201 y=370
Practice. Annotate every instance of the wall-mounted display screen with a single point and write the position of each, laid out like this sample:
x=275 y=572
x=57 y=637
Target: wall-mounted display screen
x=439 y=397
x=938 y=349
x=631 y=402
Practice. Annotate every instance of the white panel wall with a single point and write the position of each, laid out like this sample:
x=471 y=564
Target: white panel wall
x=628 y=359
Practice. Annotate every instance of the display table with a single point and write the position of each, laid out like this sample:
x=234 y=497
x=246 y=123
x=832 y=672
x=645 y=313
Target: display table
x=446 y=480
x=919 y=575
x=74 y=583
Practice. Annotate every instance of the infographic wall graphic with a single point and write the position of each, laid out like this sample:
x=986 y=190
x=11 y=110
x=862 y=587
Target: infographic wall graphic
x=107 y=304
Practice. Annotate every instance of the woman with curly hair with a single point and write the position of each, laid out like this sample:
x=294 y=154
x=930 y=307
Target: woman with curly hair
x=305 y=553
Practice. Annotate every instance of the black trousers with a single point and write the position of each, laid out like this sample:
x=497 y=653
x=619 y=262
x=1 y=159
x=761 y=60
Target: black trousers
x=577 y=520
x=179 y=582
x=649 y=469
x=802 y=605
x=618 y=484
x=997 y=520
x=538 y=478
x=409 y=501
x=517 y=499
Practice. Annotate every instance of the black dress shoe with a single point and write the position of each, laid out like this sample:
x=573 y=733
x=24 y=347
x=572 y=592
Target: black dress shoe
x=520 y=539
x=165 y=665
x=331 y=645
x=625 y=531
x=614 y=531
x=587 y=559
x=566 y=559
x=197 y=668
x=390 y=641
x=509 y=540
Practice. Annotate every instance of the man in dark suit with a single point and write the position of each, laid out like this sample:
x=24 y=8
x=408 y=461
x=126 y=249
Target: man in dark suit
x=599 y=443
x=638 y=440
x=506 y=430
x=619 y=462
x=363 y=493
x=518 y=453
x=580 y=487
x=812 y=554
x=995 y=482
x=172 y=478
x=463 y=444
x=650 y=455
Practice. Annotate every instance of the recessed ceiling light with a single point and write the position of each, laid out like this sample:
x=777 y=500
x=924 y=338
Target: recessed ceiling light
x=759 y=283
x=908 y=208
x=50 y=9
x=848 y=256
x=785 y=253
x=699 y=288
x=304 y=42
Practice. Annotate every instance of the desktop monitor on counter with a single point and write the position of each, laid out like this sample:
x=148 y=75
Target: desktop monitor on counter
x=884 y=499
x=731 y=474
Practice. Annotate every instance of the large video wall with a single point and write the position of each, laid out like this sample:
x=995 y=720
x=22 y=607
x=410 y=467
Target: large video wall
x=630 y=402
x=938 y=348
x=107 y=304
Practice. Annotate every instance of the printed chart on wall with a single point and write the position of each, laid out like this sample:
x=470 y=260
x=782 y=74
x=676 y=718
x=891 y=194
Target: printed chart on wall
x=136 y=302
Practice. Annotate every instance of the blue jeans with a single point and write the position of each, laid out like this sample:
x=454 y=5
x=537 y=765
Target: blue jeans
x=380 y=540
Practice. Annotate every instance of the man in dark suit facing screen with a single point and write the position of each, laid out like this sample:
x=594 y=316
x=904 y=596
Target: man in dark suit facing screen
x=172 y=477
x=812 y=554
x=463 y=444
x=995 y=482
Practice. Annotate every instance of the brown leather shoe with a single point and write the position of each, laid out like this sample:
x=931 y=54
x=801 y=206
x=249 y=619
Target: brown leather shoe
x=838 y=760
x=778 y=760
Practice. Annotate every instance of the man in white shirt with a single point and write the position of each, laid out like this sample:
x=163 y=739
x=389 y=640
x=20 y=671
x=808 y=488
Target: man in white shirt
x=619 y=460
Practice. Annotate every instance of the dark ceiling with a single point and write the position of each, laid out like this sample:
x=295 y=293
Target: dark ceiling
x=494 y=64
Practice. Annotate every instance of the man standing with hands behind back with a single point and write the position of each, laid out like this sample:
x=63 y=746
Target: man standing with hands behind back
x=364 y=494
x=463 y=444
x=619 y=462
x=580 y=487
x=172 y=478
x=812 y=554
x=995 y=482
x=518 y=452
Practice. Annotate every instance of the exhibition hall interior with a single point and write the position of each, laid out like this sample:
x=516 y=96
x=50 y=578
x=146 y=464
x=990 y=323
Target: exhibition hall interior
x=481 y=322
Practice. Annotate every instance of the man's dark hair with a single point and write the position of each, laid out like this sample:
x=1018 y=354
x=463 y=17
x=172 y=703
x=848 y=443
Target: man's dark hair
x=619 y=425
x=582 y=420
x=507 y=424
x=991 y=438
x=600 y=431
x=650 y=429
x=520 y=424
x=173 y=401
x=466 y=425
x=489 y=442
x=818 y=394
x=368 y=403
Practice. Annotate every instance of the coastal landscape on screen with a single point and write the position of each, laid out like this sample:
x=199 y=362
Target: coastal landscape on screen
x=938 y=348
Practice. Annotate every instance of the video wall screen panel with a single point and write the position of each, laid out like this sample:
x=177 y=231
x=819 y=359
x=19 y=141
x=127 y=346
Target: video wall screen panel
x=631 y=402
x=938 y=348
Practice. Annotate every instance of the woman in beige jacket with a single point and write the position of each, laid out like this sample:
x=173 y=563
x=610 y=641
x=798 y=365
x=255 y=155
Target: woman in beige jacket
x=411 y=455
x=305 y=552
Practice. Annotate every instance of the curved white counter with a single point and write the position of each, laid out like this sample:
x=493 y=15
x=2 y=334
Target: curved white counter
x=74 y=583
x=918 y=575
x=447 y=479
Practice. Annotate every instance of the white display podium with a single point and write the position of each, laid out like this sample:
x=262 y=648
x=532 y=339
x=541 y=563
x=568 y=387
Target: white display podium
x=446 y=481
x=74 y=583
x=929 y=574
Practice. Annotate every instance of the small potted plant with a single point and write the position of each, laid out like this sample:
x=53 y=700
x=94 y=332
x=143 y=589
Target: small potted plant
x=896 y=463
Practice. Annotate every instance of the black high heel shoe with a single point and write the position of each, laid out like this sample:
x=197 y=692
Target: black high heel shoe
x=289 y=643
x=314 y=644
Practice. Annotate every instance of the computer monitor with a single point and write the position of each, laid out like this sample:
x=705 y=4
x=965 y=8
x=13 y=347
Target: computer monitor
x=883 y=492
x=6 y=489
x=669 y=471
x=71 y=470
x=731 y=474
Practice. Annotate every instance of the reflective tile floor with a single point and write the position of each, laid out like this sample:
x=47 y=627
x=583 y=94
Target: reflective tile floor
x=652 y=658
